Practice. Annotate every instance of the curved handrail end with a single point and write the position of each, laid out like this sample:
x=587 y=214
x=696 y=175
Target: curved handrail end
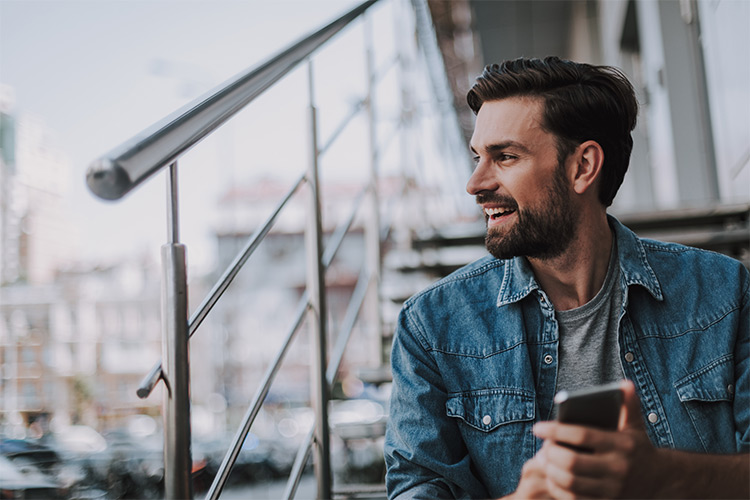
x=149 y=381
x=108 y=180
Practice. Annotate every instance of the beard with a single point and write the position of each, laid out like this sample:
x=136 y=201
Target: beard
x=541 y=232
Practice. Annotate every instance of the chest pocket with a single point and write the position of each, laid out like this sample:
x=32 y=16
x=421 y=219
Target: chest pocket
x=495 y=425
x=707 y=396
x=486 y=410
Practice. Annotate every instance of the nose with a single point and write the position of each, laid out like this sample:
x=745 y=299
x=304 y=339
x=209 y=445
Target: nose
x=482 y=179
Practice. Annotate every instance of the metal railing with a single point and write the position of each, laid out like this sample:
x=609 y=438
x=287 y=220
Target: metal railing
x=125 y=167
x=118 y=172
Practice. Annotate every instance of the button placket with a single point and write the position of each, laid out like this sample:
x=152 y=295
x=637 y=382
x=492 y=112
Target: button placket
x=635 y=370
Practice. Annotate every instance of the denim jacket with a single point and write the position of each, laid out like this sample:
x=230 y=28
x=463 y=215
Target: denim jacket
x=474 y=365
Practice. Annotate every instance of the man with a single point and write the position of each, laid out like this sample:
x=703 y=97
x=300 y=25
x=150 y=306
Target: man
x=569 y=298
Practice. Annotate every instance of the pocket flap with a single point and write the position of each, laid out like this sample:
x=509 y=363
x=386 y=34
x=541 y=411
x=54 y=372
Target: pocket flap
x=714 y=382
x=488 y=409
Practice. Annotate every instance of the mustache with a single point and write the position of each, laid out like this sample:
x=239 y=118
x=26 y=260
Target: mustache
x=507 y=201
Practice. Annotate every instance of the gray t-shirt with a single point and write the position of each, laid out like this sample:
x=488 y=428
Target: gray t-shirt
x=588 y=351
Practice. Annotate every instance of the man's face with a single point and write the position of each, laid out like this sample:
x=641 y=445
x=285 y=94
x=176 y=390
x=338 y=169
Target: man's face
x=519 y=182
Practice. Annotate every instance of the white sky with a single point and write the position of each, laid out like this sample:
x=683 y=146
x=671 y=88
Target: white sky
x=90 y=70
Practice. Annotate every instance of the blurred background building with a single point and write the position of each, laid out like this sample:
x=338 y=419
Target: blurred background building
x=76 y=337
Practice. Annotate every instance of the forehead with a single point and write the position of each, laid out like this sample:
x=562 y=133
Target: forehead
x=517 y=119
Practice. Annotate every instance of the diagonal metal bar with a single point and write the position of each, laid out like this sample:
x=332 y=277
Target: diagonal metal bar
x=356 y=108
x=338 y=236
x=345 y=332
x=338 y=352
x=231 y=457
x=347 y=326
x=299 y=465
x=382 y=147
x=153 y=377
x=347 y=119
x=231 y=272
x=380 y=73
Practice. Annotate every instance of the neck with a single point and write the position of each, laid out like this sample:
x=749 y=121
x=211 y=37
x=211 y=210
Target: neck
x=573 y=278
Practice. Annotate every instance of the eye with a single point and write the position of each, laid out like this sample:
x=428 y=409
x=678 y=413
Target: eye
x=503 y=157
x=475 y=158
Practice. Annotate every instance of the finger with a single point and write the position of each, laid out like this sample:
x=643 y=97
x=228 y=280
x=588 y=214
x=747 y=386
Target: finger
x=579 y=463
x=589 y=438
x=562 y=484
x=543 y=430
x=631 y=417
x=533 y=467
x=533 y=482
x=557 y=492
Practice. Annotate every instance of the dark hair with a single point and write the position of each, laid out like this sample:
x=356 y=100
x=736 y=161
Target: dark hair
x=581 y=102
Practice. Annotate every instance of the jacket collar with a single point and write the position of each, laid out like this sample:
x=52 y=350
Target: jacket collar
x=634 y=265
x=519 y=280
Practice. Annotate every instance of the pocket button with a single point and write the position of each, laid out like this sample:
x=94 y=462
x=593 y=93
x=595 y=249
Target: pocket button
x=487 y=420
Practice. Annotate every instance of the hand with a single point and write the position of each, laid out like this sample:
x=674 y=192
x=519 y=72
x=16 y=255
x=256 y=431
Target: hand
x=533 y=483
x=620 y=462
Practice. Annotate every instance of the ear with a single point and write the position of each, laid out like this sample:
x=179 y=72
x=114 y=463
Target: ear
x=589 y=158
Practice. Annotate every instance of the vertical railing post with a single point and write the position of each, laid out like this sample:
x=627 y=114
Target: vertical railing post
x=406 y=69
x=316 y=289
x=175 y=365
x=372 y=227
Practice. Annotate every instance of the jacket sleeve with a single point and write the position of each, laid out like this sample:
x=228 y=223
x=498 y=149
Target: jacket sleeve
x=425 y=454
x=742 y=369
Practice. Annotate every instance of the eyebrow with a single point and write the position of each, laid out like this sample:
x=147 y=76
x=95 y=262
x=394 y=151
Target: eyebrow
x=501 y=146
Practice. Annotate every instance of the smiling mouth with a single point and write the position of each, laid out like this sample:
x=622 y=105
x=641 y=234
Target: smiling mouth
x=497 y=213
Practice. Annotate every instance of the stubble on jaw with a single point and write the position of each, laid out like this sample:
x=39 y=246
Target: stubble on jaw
x=543 y=232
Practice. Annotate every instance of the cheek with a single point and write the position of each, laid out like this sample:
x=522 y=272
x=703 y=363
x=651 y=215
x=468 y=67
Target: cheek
x=526 y=190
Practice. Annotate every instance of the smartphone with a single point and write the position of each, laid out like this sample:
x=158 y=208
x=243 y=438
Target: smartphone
x=593 y=407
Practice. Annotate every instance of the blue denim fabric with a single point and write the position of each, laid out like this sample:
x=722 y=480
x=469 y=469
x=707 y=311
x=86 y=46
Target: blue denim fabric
x=475 y=361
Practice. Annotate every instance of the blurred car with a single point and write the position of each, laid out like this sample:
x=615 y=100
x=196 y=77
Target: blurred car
x=31 y=452
x=25 y=482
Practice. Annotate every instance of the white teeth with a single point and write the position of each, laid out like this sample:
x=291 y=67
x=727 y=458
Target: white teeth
x=496 y=211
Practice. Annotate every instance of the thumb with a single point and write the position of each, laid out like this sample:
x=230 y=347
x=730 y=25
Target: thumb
x=630 y=416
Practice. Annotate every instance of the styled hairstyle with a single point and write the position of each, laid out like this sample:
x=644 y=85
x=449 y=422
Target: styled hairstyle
x=581 y=102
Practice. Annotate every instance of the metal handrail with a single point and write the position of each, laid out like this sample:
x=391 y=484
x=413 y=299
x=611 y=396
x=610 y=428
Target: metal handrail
x=152 y=378
x=116 y=173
